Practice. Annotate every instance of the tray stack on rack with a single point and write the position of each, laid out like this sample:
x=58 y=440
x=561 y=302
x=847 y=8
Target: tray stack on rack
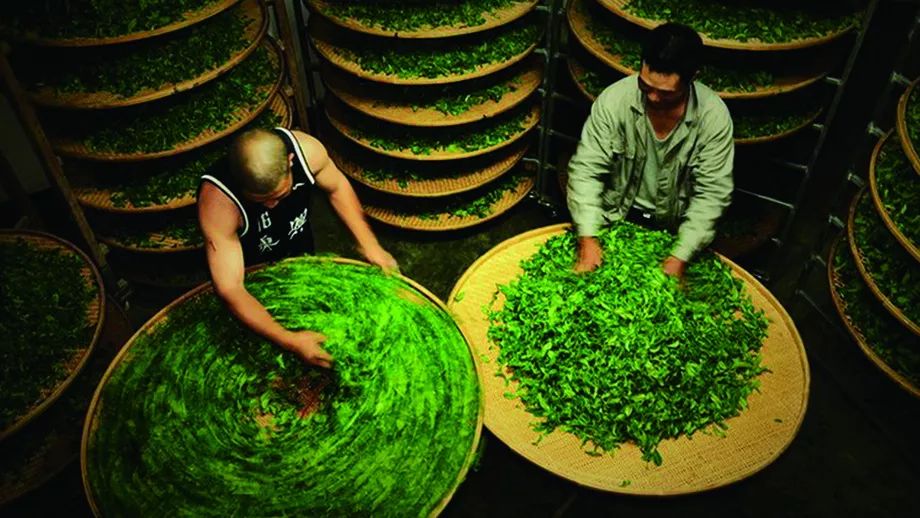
x=138 y=115
x=430 y=107
x=767 y=73
x=875 y=268
x=53 y=305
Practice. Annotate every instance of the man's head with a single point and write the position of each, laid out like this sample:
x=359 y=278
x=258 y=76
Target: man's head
x=671 y=58
x=261 y=166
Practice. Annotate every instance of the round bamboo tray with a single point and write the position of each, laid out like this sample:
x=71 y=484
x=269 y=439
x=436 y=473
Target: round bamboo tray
x=903 y=240
x=618 y=7
x=165 y=280
x=755 y=438
x=190 y=18
x=765 y=139
x=338 y=119
x=76 y=148
x=100 y=198
x=446 y=222
x=167 y=243
x=903 y=132
x=360 y=96
x=492 y=20
x=895 y=311
x=834 y=282
x=579 y=28
x=253 y=10
x=329 y=47
x=89 y=425
x=95 y=315
x=577 y=71
x=53 y=442
x=467 y=176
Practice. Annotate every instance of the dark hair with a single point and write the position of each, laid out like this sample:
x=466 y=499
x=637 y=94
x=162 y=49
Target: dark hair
x=672 y=48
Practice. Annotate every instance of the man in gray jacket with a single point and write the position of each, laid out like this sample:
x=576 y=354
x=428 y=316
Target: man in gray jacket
x=658 y=148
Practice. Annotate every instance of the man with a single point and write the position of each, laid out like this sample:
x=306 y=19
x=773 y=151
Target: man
x=260 y=212
x=657 y=148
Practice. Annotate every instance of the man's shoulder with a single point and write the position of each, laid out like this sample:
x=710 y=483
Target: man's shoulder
x=711 y=107
x=617 y=98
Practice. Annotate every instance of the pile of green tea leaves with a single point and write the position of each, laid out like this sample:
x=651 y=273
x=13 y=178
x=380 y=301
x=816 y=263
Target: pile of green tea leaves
x=204 y=418
x=894 y=271
x=162 y=125
x=460 y=56
x=424 y=141
x=44 y=329
x=899 y=189
x=912 y=116
x=624 y=353
x=411 y=16
x=125 y=70
x=454 y=101
x=891 y=341
x=478 y=203
x=94 y=18
x=719 y=78
x=746 y=20
x=769 y=123
x=173 y=179
x=173 y=234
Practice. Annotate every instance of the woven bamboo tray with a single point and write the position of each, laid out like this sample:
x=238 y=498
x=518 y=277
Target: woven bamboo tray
x=328 y=45
x=150 y=275
x=779 y=136
x=784 y=84
x=906 y=243
x=497 y=19
x=76 y=148
x=251 y=9
x=447 y=222
x=100 y=198
x=338 y=118
x=468 y=175
x=166 y=243
x=618 y=8
x=89 y=425
x=834 y=283
x=754 y=440
x=903 y=132
x=191 y=18
x=360 y=96
x=53 y=442
x=95 y=316
x=577 y=71
x=895 y=311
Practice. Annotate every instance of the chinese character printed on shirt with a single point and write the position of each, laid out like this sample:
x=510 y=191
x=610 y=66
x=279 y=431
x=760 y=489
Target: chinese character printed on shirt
x=266 y=243
x=264 y=221
x=297 y=224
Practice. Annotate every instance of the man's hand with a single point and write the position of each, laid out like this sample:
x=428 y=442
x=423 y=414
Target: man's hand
x=307 y=345
x=674 y=267
x=380 y=257
x=590 y=254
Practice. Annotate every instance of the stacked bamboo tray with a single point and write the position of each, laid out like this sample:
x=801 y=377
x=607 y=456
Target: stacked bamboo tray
x=874 y=269
x=771 y=88
x=134 y=146
x=430 y=147
x=43 y=437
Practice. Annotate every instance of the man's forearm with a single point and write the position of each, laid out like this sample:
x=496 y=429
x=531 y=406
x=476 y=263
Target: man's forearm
x=253 y=315
x=346 y=205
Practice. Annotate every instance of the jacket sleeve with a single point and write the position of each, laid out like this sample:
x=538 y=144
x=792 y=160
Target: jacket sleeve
x=594 y=158
x=711 y=170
